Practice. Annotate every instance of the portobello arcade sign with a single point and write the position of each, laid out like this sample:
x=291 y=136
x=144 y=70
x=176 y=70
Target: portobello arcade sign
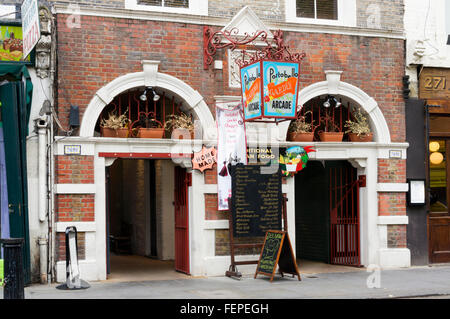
x=270 y=90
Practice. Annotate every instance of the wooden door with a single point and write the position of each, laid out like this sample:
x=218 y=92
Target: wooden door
x=182 y=182
x=439 y=217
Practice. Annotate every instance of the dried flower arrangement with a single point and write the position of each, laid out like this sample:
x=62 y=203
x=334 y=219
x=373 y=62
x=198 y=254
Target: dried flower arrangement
x=115 y=125
x=115 y=121
x=182 y=121
x=360 y=125
x=300 y=125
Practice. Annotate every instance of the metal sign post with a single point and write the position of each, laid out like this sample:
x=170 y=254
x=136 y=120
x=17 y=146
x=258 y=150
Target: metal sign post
x=73 y=280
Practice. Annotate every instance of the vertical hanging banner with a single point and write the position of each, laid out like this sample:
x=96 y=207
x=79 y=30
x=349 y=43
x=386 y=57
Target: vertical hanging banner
x=231 y=147
x=30 y=25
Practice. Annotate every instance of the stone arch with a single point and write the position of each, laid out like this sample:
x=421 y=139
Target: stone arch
x=149 y=77
x=334 y=86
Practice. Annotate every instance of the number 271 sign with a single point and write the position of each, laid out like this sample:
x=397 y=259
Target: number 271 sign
x=435 y=83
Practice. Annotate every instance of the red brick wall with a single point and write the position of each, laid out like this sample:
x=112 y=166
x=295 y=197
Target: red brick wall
x=391 y=171
x=396 y=236
x=210 y=175
x=391 y=204
x=75 y=207
x=74 y=169
x=106 y=48
x=61 y=246
x=211 y=208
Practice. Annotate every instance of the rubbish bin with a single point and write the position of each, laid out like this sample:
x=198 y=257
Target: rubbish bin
x=13 y=268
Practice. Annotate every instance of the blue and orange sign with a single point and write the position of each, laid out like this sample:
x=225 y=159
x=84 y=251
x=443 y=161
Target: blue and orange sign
x=272 y=93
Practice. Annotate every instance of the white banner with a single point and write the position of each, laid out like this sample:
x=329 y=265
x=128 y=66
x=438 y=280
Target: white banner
x=30 y=25
x=231 y=147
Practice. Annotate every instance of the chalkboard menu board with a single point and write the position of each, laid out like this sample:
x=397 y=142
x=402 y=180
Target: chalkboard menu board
x=256 y=201
x=269 y=253
x=277 y=251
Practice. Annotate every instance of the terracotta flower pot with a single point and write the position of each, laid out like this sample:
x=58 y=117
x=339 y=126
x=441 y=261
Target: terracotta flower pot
x=150 y=132
x=331 y=136
x=362 y=138
x=301 y=137
x=179 y=134
x=109 y=132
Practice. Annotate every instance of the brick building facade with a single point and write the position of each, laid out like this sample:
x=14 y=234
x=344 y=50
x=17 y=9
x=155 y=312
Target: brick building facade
x=114 y=47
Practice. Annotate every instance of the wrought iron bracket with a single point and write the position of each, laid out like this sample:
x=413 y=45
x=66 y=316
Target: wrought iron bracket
x=278 y=51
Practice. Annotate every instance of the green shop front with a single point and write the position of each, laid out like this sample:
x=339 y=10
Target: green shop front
x=15 y=103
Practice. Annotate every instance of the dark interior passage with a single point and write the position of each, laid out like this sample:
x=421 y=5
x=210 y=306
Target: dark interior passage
x=327 y=213
x=140 y=214
x=312 y=213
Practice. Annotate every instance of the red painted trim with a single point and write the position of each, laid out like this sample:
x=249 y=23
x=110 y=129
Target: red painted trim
x=144 y=155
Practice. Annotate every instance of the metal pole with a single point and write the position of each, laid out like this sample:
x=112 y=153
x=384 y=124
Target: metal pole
x=14 y=281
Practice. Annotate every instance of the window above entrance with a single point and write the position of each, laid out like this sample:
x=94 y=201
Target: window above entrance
x=329 y=12
x=199 y=7
x=145 y=112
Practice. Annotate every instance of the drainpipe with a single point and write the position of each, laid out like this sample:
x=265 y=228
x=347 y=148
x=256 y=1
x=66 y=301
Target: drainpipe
x=42 y=168
x=42 y=241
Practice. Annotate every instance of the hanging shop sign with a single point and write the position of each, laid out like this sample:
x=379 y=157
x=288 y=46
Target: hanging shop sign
x=270 y=90
x=269 y=76
x=30 y=25
x=251 y=91
x=204 y=159
x=294 y=160
x=11 y=44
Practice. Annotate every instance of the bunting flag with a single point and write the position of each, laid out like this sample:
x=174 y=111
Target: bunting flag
x=231 y=147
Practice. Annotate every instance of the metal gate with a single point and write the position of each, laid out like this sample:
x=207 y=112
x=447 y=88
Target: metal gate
x=182 y=181
x=344 y=215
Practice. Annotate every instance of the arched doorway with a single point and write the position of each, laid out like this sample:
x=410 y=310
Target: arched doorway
x=134 y=152
x=327 y=215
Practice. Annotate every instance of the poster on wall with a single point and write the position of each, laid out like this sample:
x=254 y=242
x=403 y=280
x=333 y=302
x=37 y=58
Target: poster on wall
x=280 y=89
x=251 y=90
x=231 y=147
x=11 y=44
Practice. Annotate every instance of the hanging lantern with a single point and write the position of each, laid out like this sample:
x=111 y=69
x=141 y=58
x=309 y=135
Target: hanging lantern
x=434 y=146
x=436 y=158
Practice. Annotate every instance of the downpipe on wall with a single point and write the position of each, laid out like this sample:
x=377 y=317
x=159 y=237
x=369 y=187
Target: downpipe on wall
x=42 y=168
x=42 y=125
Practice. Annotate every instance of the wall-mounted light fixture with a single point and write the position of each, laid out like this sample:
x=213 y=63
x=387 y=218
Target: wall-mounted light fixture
x=331 y=100
x=143 y=96
x=436 y=157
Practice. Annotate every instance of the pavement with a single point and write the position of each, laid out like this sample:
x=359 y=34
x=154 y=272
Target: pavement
x=413 y=282
x=377 y=292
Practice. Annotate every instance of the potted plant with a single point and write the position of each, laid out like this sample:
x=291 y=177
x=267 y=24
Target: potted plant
x=332 y=132
x=115 y=125
x=301 y=131
x=152 y=129
x=359 y=128
x=177 y=125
